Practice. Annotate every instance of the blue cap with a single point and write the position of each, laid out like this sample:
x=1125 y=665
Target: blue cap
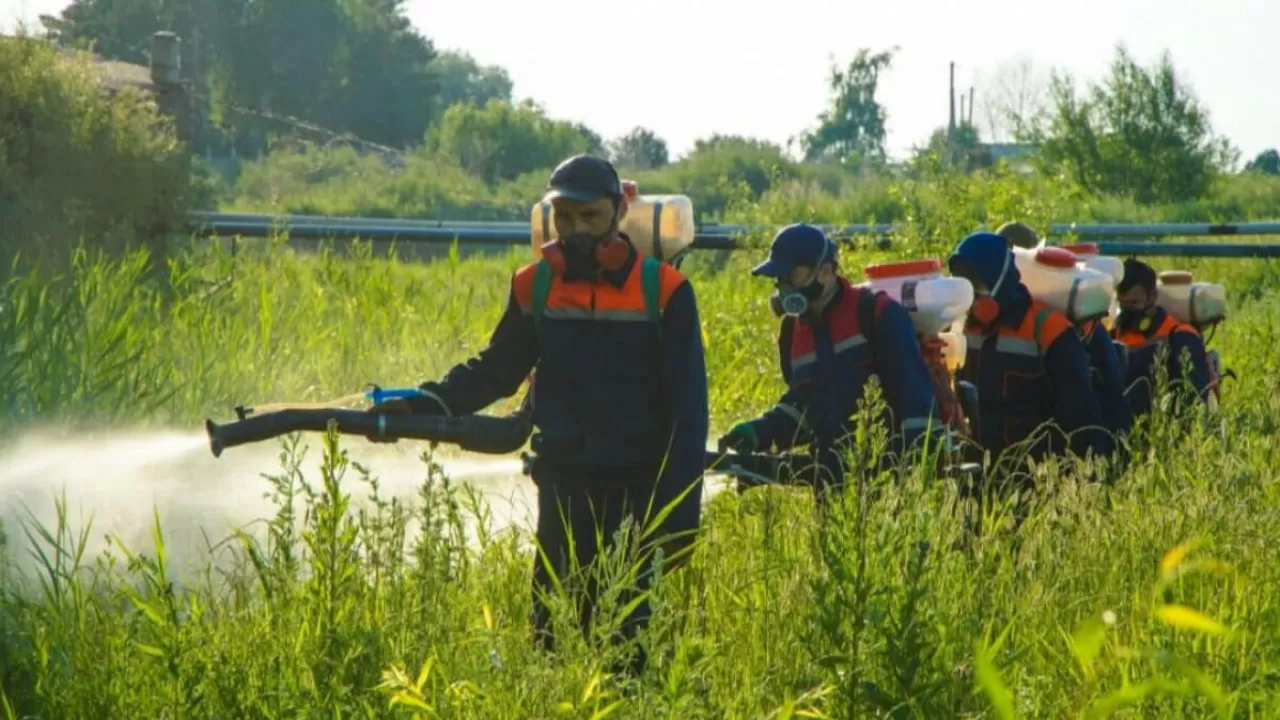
x=793 y=246
x=987 y=254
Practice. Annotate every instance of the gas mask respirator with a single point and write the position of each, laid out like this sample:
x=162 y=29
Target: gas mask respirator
x=583 y=253
x=1133 y=318
x=795 y=301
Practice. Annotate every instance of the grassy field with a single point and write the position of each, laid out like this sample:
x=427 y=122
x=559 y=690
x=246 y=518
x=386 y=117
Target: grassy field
x=1155 y=598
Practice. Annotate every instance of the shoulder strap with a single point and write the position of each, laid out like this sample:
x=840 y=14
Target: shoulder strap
x=541 y=288
x=1041 y=317
x=651 y=284
x=651 y=281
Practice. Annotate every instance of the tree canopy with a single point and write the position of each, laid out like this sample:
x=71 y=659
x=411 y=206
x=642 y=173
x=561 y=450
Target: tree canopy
x=359 y=68
x=1141 y=132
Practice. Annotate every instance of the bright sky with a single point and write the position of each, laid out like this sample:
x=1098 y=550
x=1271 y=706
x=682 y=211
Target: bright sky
x=690 y=68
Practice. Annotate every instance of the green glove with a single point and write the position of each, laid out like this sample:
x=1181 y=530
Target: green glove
x=741 y=438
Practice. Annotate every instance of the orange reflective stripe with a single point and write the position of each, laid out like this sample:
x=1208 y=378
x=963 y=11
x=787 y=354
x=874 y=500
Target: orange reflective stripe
x=1137 y=339
x=601 y=300
x=1166 y=328
x=1132 y=339
x=1050 y=329
x=1023 y=340
x=670 y=280
x=568 y=295
x=522 y=285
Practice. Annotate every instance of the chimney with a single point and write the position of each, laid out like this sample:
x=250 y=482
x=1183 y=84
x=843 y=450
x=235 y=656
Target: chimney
x=971 y=105
x=951 y=123
x=166 y=58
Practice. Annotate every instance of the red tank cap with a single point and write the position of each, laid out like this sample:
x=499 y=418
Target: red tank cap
x=1055 y=257
x=906 y=268
x=630 y=189
x=1081 y=248
x=1175 y=277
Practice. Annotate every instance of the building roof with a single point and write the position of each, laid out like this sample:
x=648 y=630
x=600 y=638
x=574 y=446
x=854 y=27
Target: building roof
x=116 y=75
x=1010 y=150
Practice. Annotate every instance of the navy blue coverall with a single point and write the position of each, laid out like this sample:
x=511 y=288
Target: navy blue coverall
x=1104 y=359
x=826 y=366
x=620 y=410
x=1143 y=345
x=1030 y=366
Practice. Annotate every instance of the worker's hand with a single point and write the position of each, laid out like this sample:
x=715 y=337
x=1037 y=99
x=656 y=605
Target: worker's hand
x=742 y=438
x=394 y=406
x=426 y=404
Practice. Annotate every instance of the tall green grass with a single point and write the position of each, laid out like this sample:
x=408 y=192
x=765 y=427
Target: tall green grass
x=339 y=181
x=1153 y=598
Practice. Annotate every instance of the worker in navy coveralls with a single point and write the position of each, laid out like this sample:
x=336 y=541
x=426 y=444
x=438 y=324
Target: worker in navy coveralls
x=1148 y=331
x=834 y=336
x=1026 y=360
x=620 y=391
x=1103 y=352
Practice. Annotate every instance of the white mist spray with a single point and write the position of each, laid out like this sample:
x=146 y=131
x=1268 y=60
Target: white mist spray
x=117 y=480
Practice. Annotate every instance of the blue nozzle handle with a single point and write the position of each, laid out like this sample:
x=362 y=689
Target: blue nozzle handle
x=379 y=395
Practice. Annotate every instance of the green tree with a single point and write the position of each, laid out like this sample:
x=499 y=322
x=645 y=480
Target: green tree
x=724 y=167
x=463 y=80
x=1266 y=162
x=1141 y=133
x=595 y=142
x=964 y=152
x=383 y=86
x=501 y=141
x=852 y=129
x=346 y=65
x=641 y=148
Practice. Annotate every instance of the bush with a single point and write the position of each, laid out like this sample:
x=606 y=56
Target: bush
x=78 y=164
x=340 y=181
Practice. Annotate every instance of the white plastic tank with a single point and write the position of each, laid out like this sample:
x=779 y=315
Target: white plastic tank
x=1196 y=303
x=1088 y=254
x=661 y=226
x=933 y=301
x=1054 y=277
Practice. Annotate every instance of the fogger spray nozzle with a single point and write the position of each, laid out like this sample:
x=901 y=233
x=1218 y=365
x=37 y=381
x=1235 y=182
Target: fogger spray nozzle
x=477 y=433
x=215 y=442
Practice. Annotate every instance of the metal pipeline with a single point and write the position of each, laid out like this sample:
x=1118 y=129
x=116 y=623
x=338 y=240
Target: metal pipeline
x=716 y=236
x=478 y=433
